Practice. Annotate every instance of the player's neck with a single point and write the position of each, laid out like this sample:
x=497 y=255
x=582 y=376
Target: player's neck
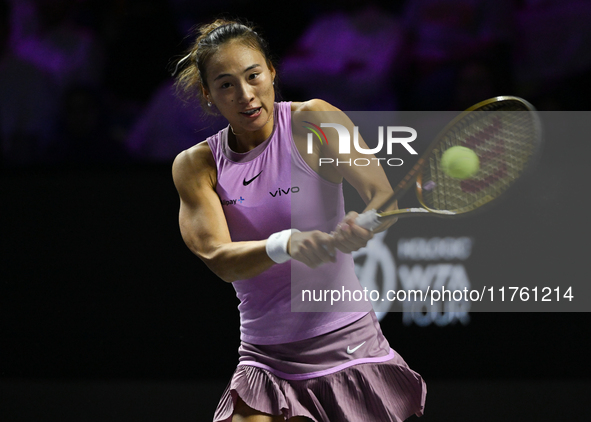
x=245 y=141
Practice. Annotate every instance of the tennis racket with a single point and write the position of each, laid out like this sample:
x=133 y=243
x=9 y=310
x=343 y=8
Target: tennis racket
x=506 y=135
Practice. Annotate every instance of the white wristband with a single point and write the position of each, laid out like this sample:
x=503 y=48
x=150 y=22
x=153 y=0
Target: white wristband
x=277 y=245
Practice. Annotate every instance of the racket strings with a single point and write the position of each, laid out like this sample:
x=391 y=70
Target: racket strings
x=503 y=136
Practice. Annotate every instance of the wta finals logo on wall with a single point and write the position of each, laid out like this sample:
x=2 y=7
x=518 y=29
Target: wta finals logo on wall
x=421 y=265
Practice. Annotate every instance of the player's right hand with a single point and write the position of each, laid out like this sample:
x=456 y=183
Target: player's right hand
x=313 y=248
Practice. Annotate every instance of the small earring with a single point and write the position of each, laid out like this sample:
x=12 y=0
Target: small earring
x=209 y=104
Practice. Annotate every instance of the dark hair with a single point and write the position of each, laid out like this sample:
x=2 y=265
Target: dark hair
x=209 y=38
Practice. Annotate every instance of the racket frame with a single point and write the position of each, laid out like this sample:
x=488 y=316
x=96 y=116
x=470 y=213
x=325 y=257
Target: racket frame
x=415 y=173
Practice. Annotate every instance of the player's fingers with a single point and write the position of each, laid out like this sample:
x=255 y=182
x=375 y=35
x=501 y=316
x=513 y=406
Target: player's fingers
x=356 y=230
x=346 y=247
x=320 y=255
x=309 y=259
x=314 y=249
x=343 y=234
x=300 y=249
x=350 y=237
x=343 y=241
x=326 y=250
x=360 y=234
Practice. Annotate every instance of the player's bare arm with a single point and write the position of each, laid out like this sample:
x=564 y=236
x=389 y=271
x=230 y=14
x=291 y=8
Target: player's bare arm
x=202 y=222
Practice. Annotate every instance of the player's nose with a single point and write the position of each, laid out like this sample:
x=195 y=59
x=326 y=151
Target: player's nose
x=245 y=93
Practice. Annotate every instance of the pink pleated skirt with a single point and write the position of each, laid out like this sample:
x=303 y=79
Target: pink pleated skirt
x=372 y=384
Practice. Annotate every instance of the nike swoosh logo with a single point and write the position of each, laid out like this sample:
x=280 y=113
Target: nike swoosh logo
x=351 y=351
x=248 y=182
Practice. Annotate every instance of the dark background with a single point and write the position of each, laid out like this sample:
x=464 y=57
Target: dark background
x=106 y=315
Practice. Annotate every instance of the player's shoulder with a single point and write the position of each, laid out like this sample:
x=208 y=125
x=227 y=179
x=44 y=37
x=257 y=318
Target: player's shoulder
x=193 y=161
x=315 y=104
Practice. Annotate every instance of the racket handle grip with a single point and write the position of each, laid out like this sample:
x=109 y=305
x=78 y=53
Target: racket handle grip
x=369 y=220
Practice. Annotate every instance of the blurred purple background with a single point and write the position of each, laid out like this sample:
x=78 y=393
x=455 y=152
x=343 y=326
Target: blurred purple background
x=87 y=82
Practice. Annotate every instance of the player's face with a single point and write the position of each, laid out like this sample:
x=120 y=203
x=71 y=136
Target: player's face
x=240 y=84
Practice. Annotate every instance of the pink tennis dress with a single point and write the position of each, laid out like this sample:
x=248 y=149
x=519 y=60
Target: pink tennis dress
x=329 y=365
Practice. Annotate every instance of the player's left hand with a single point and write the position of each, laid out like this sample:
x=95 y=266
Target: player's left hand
x=348 y=236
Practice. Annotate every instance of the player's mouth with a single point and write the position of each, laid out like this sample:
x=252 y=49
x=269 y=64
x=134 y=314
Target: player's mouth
x=252 y=113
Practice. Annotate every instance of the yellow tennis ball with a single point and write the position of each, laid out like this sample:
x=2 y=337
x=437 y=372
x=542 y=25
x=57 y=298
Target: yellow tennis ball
x=460 y=162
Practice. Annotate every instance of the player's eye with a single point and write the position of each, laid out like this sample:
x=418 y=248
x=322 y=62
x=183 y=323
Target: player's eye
x=253 y=76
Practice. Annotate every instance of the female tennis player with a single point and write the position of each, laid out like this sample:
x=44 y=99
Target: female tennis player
x=238 y=213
